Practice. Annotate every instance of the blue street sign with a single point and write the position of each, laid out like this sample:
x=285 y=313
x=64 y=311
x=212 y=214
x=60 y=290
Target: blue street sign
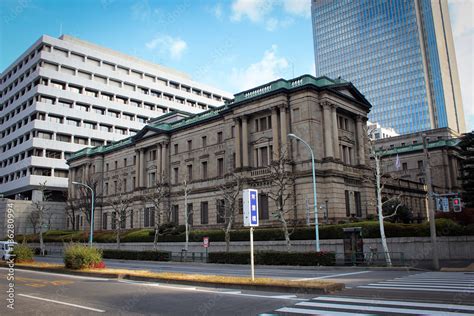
x=250 y=204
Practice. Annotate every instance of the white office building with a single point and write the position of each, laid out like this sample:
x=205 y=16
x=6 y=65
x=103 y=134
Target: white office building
x=63 y=94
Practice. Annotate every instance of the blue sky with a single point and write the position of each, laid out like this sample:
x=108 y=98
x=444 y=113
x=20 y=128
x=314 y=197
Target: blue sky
x=233 y=45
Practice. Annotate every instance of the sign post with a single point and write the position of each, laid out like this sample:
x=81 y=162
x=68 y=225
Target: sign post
x=250 y=204
x=205 y=244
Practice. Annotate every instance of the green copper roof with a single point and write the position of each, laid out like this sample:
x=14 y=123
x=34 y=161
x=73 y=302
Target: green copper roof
x=417 y=147
x=157 y=124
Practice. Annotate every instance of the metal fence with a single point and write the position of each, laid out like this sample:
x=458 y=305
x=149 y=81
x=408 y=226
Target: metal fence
x=371 y=258
x=186 y=256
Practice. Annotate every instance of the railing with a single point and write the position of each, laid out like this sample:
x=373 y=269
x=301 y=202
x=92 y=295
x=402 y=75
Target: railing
x=186 y=256
x=372 y=258
x=259 y=172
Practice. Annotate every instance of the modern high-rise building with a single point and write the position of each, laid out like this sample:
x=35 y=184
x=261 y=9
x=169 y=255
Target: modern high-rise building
x=63 y=94
x=398 y=53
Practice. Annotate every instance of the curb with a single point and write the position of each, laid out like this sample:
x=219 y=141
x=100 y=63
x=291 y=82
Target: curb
x=330 y=288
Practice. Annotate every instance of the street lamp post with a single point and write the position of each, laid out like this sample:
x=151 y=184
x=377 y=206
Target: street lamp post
x=316 y=225
x=91 y=235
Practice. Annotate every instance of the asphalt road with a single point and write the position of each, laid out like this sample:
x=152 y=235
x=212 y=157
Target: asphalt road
x=428 y=293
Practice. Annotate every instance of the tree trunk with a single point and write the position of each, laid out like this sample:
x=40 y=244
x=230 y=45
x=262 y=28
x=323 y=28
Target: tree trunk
x=285 y=231
x=155 y=238
x=41 y=241
x=227 y=236
x=118 y=237
x=380 y=215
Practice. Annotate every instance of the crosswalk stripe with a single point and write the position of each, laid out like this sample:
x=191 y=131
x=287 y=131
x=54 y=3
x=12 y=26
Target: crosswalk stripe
x=379 y=309
x=425 y=286
x=314 y=311
x=390 y=302
x=413 y=289
x=430 y=283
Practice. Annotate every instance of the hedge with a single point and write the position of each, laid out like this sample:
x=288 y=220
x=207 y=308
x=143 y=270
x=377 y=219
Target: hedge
x=149 y=255
x=275 y=258
x=79 y=256
x=370 y=229
x=22 y=253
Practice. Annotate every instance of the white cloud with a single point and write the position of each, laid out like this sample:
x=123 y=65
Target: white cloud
x=269 y=68
x=461 y=13
x=218 y=11
x=261 y=12
x=298 y=7
x=254 y=10
x=167 y=45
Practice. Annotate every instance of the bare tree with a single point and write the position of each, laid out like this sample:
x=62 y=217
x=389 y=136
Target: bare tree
x=120 y=202
x=42 y=210
x=156 y=195
x=230 y=191
x=380 y=180
x=72 y=209
x=33 y=218
x=281 y=182
x=84 y=199
x=187 y=213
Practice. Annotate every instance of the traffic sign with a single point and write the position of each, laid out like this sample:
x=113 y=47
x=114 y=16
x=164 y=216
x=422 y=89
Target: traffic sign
x=445 y=204
x=205 y=242
x=250 y=204
x=457 y=205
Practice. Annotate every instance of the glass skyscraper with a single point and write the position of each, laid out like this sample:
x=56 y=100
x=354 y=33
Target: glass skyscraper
x=398 y=53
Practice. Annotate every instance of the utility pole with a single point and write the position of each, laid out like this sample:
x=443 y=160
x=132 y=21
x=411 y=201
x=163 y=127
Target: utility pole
x=431 y=207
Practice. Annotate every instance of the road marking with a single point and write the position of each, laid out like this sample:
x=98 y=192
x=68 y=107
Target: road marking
x=377 y=308
x=443 y=286
x=314 y=311
x=413 y=289
x=223 y=292
x=401 y=303
x=63 y=303
x=62 y=275
x=331 y=276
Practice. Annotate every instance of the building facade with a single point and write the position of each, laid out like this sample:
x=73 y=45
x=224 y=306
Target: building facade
x=64 y=94
x=241 y=138
x=399 y=53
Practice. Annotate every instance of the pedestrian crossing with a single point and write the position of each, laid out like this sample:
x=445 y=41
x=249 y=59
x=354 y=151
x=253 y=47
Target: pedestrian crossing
x=449 y=282
x=328 y=305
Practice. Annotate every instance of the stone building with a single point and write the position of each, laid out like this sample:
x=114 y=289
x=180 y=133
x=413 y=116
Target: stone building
x=409 y=176
x=242 y=137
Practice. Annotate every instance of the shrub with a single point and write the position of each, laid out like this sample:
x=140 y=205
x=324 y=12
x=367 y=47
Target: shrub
x=142 y=235
x=22 y=253
x=275 y=258
x=149 y=255
x=79 y=256
x=37 y=251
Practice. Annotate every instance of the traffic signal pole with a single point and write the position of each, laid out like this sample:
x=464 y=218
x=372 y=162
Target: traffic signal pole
x=431 y=206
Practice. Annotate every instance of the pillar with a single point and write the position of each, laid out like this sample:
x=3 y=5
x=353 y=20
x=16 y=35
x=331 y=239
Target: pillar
x=360 y=140
x=158 y=163
x=237 y=145
x=137 y=168
x=141 y=169
x=335 y=133
x=328 y=147
x=164 y=161
x=276 y=144
x=284 y=130
x=245 y=142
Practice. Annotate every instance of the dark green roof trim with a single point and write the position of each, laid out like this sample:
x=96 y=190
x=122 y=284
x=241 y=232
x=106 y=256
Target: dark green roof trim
x=241 y=98
x=419 y=147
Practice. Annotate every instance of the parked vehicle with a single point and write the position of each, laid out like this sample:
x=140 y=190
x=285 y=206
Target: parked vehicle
x=6 y=248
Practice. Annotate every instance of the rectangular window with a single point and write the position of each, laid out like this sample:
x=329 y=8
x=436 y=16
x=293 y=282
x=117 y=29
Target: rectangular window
x=151 y=179
x=420 y=164
x=358 y=204
x=204 y=141
x=204 y=213
x=348 y=203
x=204 y=170
x=114 y=220
x=190 y=214
x=175 y=149
x=190 y=173
x=175 y=214
x=104 y=221
x=263 y=206
x=190 y=145
x=176 y=175
x=220 y=167
x=404 y=166
x=220 y=211
x=220 y=137
x=131 y=218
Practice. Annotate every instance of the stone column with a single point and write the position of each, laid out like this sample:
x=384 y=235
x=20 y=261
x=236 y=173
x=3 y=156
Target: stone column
x=237 y=146
x=360 y=140
x=164 y=160
x=276 y=144
x=72 y=176
x=142 y=168
x=245 y=142
x=137 y=168
x=158 y=162
x=86 y=171
x=284 y=129
x=335 y=132
x=328 y=147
